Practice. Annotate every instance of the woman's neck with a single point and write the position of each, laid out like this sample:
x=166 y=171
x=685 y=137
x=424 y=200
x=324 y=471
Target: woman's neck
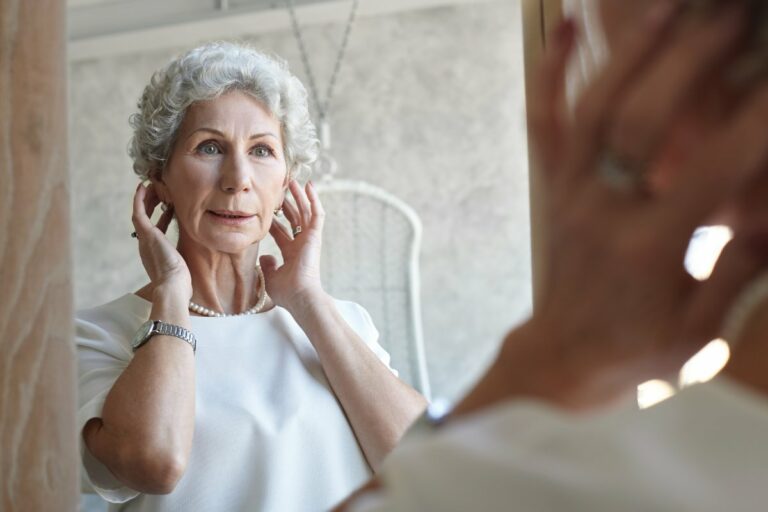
x=222 y=282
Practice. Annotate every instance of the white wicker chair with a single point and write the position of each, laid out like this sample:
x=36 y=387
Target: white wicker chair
x=370 y=255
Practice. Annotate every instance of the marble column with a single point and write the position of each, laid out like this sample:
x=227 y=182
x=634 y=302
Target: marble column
x=38 y=443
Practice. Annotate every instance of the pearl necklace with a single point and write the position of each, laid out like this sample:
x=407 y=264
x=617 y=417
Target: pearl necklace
x=200 y=310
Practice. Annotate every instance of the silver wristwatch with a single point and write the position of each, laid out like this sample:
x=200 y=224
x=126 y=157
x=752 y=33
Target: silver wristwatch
x=152 y=327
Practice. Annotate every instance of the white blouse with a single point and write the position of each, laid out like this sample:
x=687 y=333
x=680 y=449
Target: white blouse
x=269 y=432
x=704 y=450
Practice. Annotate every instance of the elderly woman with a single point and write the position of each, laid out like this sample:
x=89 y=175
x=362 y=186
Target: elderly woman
x=290 y=403
x=617 y=306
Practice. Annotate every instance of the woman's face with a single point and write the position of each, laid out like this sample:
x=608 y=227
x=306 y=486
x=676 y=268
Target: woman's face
x=226 y=174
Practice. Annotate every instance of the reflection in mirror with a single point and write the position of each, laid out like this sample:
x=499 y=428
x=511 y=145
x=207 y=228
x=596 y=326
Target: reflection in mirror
x=419 y=120
x=428 y=107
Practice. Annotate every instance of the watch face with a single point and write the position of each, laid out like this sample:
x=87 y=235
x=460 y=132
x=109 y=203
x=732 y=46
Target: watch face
x=142 y=333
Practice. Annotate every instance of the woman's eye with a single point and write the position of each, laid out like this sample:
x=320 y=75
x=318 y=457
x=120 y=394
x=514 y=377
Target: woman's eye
x=208 y=148
x=262 y=151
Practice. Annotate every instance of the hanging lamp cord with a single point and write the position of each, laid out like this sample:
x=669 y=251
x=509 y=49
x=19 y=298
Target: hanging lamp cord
x=322 y=107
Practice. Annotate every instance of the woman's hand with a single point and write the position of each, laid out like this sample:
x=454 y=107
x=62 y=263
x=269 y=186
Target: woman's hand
x=163 y=263
x=298 y=279
x=616 y=306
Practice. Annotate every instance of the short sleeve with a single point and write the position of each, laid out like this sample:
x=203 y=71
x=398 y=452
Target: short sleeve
x=362 y=323
x=423 y=471
x=101 y=359
x=525 y=456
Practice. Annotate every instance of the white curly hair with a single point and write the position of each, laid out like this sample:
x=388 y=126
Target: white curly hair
x=207 y=72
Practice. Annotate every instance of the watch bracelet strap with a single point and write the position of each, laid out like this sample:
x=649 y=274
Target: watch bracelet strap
x=165 y=329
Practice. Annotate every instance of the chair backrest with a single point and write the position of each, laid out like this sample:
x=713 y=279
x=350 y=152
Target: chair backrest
x=371 y=256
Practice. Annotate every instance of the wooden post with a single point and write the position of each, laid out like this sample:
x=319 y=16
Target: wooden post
x=38 y=443
x=539 y=17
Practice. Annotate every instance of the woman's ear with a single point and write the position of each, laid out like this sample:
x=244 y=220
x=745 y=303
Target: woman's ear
x=286 y=181
x=279 y=207
x=156 y=177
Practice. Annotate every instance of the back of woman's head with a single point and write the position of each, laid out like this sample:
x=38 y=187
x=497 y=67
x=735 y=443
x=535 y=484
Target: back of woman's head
x=207 y=72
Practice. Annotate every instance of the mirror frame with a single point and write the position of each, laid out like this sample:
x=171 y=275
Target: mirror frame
x=539 y=18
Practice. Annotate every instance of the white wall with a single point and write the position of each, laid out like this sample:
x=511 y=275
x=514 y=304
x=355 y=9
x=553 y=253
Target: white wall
x=429 y=106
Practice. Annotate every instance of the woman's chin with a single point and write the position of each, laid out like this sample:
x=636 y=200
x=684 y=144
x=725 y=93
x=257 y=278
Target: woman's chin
x=232 y=243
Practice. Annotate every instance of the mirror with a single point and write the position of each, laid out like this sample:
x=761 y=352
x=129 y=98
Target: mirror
x=428 y=106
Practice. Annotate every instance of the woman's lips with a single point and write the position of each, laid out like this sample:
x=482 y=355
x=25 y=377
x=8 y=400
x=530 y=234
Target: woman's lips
x=230 y=218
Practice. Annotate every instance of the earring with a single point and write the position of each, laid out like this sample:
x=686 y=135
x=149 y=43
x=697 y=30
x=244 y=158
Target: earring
x=278 y=210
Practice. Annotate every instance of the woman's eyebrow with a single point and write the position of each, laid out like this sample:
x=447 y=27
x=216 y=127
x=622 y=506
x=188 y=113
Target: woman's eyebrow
x=221 y=134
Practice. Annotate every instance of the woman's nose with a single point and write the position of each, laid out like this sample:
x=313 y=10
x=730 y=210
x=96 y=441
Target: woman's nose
x=235 y=176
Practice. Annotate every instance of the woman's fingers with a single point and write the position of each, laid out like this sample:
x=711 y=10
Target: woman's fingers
x=594 y=110
x=140 y=218
x=671 y=82
x=308 y=211
x=144 y=203
x=268 y=266
x=726 y=163
x=291 y=213
x=302 y=203
x=151 y=200
x=317 y=210
x=547 y=104
x=281 y=234
x=165 y=219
